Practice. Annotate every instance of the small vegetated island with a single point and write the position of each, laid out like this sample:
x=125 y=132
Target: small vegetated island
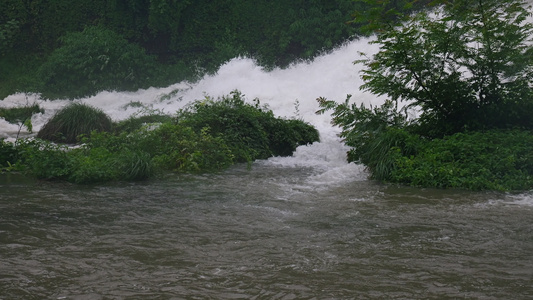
x=466 y=68
x=208 y=135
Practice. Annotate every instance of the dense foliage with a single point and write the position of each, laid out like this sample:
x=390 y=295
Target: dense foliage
x=274 y=30
x=383 y=139
x=466 y=69
x=182 y=35
x=465 y=64
x=93 y=60
x=210 y=135
x=252 y=131
x=492 y=160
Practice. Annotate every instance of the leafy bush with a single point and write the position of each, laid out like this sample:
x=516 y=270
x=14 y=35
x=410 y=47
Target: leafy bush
x=72 y=121
x=8 y=154
x=93 y=60
x=230 y=117
x=371 y=132
x=466 y=64
x=285 y=135
x=493 y=160
x=251 y=131
x=170 y=147
x=44 y=160
x=92 y=166
x=179 y=148
x=98 y=164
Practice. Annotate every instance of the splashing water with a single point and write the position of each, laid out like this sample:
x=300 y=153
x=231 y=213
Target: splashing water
x=290 y=93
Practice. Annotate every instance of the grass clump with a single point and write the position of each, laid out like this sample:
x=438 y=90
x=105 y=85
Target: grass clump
x=72 y=121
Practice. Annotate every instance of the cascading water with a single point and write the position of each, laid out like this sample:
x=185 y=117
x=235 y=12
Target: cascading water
x=310 y=226
x=290 y=92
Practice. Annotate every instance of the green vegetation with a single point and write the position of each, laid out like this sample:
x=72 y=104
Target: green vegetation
x=251 y=131
x=208 y=136
x=125 y=45
x=466 y=68
x=134 y=123
x=93 y=60
x=21 y=115
x=72 y=121
x=491 y=160
x=466 y=64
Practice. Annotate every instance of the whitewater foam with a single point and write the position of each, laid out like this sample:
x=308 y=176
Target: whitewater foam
x=289 y=93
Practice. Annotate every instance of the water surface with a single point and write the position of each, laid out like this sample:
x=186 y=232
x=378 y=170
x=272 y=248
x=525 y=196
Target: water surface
x=269 y=232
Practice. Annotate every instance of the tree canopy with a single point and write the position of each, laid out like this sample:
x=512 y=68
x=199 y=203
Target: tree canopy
x=465 y=64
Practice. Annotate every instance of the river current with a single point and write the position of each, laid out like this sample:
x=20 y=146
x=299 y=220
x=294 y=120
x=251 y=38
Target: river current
x=309 y=226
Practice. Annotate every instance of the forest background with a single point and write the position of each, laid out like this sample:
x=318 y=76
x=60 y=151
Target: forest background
x=166 y=40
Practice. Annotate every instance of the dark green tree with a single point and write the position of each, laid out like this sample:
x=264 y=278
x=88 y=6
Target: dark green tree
x=466 y=63
x=95 y=59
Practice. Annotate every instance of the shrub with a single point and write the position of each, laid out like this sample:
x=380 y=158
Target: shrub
x=179 y=148
x=466 y=65
x=92 y=166
x=98 y=164
x=168 y=147
x=72 y=121
x=251 y=131
x=493 y=160
x=93 y=60
x=44 y=160
x=285 y=135
x=370 y=132
x=8 y=154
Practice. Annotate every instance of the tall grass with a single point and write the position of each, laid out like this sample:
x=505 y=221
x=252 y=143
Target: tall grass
x=72 y=121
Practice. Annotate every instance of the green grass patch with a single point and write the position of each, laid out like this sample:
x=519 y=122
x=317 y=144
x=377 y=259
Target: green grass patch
x=72 y=121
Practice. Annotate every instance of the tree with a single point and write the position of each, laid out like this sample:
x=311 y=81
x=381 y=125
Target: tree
x=466 y=64
x=94 y=60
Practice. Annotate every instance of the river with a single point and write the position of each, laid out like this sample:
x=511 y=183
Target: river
x=309 y=226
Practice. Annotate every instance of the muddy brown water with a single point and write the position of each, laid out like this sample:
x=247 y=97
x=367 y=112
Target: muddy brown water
x=262 y=233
